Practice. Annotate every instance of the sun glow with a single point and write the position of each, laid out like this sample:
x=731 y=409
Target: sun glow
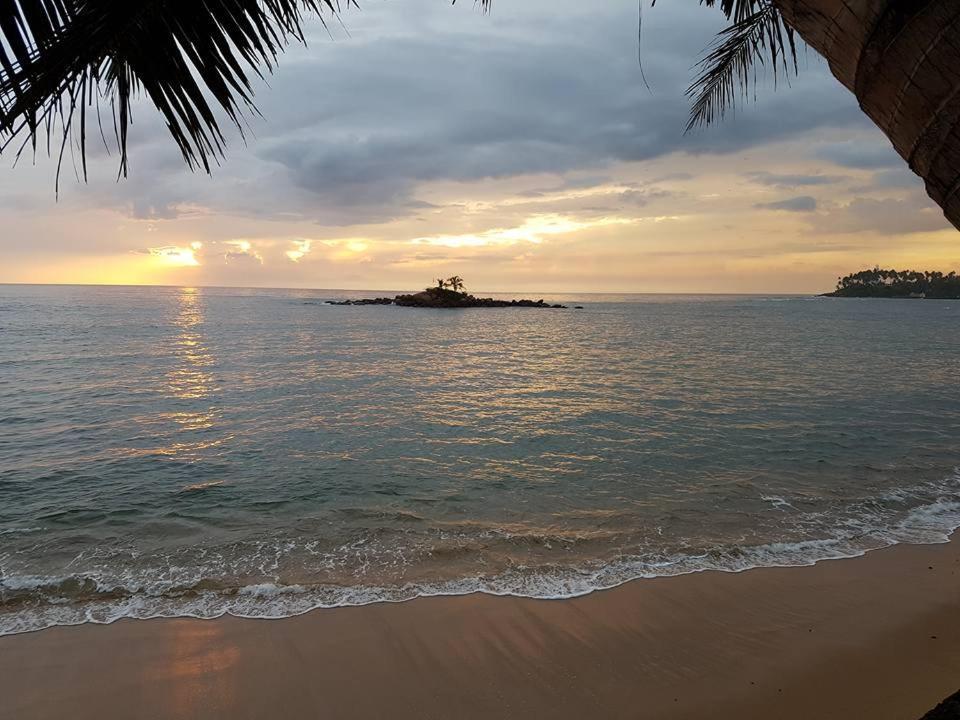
x=300 y=249
x=533 y=231
x=348 y=249
x=178 y=256
x=241 y=249
x=356 y=246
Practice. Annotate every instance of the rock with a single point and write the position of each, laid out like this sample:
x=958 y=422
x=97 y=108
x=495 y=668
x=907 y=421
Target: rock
x=436 y=297
x=949 y=709
x=362 y=301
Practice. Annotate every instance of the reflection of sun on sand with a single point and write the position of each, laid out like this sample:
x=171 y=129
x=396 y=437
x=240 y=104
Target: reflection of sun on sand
x=197 y=662
x=871 y=637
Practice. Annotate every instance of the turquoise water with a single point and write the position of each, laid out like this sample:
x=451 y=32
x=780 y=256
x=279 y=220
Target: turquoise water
x=176 y=451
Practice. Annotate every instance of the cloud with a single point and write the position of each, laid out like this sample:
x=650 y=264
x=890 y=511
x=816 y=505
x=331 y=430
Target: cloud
x=578 y=197
x=242 y=251
x=465 y=133
x=803 y=203
x=301 y=248
x=565 y=184
x=901 y=177
x=354 y=129
x=534 y=230
x=888 y=216
x=860 y=154
x=348 y=249
x=175 y=255
x=786 y=182
x=143 y=208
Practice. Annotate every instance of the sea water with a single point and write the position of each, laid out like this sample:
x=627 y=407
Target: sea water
x=195 y=452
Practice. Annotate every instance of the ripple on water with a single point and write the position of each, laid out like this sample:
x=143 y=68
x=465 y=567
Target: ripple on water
x=176 y=451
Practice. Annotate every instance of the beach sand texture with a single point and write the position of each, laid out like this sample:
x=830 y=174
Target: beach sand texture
x=873 y=637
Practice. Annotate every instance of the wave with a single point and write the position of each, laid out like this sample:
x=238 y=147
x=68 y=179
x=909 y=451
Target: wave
x=35 y=602
x=20 y=530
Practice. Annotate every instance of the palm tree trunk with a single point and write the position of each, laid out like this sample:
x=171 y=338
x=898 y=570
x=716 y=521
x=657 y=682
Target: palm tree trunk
x=902 y=60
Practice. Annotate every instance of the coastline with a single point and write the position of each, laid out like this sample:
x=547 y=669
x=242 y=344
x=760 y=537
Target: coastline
x=876 y=636
x=47 y=602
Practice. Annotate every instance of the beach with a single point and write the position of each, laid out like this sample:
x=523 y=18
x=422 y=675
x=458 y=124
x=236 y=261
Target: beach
x=469 y=365
x=218 y=503
x=871 y=637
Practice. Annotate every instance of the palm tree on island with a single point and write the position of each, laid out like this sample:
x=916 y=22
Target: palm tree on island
x=449 y=293
x=883 y=283
x=454 y=283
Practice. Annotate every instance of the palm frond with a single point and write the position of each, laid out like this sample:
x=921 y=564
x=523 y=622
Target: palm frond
x=757 y=34
x=58 y=58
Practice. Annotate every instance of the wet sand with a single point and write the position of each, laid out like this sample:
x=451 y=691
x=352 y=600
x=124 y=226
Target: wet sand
x=876 y=637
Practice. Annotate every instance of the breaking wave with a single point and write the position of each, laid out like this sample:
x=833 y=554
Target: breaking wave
x=34 y=602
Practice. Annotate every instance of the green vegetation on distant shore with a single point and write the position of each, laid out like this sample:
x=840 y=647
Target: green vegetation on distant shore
x=899 y=284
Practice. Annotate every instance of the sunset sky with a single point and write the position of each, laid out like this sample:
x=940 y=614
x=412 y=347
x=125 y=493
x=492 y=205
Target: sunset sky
x=519 y=149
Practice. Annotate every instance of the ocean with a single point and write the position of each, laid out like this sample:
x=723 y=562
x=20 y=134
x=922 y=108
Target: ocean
x=195 y=451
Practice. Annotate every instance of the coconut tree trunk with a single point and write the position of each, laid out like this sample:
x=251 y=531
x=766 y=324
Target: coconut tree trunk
x=902 y=60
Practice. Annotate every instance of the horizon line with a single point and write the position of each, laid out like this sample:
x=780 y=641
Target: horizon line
x=374 y=290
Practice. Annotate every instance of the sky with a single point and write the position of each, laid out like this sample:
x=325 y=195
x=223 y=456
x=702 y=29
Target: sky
x=520 y=149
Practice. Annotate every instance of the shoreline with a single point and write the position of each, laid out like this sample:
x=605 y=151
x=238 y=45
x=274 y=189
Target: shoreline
x=269 y=601
x=881 y=297
x=876 y=636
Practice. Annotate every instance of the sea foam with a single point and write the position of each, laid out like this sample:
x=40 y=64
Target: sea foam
x=33 y=602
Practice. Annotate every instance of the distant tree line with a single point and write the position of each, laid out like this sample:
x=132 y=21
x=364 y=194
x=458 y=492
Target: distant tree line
x=897 y=283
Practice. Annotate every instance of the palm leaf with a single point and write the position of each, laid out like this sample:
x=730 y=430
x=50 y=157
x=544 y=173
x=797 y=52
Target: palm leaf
x=729 y=68
x=192 y=58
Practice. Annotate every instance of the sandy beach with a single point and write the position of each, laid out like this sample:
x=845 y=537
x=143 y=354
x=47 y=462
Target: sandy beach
x=872 y=637
x=521 y=360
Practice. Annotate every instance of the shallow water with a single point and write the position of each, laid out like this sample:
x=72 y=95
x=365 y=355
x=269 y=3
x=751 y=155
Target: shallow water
x=176 y=451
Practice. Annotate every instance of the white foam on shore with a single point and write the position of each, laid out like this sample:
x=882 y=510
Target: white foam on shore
x=106 y=602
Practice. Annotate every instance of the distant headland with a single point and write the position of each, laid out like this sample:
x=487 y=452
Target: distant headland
x=447 y=293
x=879 y=283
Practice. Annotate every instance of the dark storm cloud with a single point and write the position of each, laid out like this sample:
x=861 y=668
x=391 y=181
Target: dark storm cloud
x=804 y=203
x=423 y=92
x=386 y=168
x=506 y=107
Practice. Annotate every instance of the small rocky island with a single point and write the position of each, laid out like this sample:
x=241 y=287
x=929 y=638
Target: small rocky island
x=447 y=293
x=879 y=283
